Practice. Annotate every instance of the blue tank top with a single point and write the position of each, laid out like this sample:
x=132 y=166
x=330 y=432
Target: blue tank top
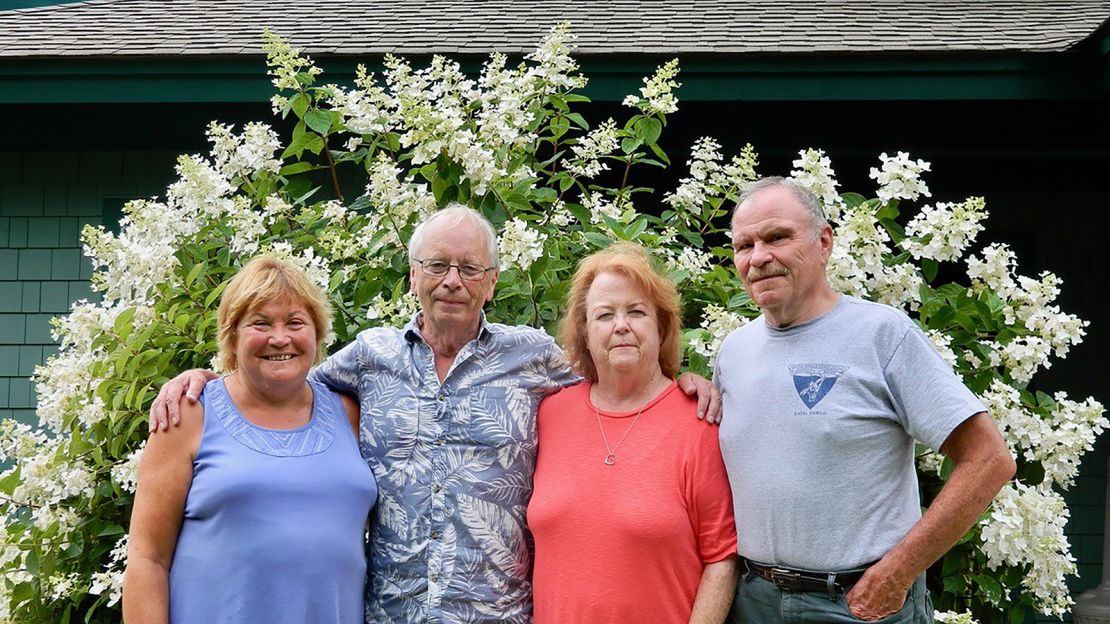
x=274 y=521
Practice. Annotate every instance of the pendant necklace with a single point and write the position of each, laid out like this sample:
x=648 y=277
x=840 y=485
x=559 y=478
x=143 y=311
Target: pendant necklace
x=611 y=452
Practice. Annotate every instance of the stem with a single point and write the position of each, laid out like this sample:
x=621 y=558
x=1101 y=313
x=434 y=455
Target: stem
x=627 y=168
x=532 y=298
x=331 y=167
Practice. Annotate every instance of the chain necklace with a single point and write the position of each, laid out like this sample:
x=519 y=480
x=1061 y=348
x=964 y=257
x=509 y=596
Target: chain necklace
x=611 y=452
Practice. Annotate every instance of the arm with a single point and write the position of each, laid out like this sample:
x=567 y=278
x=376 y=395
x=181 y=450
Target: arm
x=709 y=397
x=983 y=466
x=353 y=413
x=715 y=592
x=166 y=408
x=165 y=474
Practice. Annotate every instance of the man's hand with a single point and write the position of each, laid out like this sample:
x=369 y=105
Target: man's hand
x=709 y=398
x=165 y=410
x=877 y=594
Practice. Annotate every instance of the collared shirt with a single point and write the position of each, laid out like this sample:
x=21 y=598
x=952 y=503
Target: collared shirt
x=454 y=463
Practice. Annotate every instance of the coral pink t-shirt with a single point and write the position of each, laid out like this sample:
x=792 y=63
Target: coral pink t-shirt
x=626 y=542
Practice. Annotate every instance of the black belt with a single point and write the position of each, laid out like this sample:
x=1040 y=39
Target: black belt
x=791 y=580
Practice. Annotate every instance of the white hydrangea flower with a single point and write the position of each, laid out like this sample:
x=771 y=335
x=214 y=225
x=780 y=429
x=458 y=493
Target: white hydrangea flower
x=520 y=245
x=900 y=177
x=1026 y=527
x=693 y=261
x=601 y=141
x=393 y=311
x=366 y=109
x=942 y=342
x=560 y=216
x=995 y=271
x=898 y=286
x=554 y=67
x=657 y=94
x=126 y=472
x=599 y=206
x=243 y=155
x=718 y=323
x=813 y=170
x=951 y=617
x=944 y=231
x=285 y=62
x=111 y=578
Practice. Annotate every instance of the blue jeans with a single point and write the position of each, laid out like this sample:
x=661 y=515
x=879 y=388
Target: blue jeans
x=759 y=601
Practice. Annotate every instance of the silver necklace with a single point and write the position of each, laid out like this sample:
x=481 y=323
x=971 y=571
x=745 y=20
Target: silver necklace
x=611 y=452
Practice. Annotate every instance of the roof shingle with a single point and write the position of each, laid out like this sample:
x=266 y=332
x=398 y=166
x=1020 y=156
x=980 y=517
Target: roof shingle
x=198 y=28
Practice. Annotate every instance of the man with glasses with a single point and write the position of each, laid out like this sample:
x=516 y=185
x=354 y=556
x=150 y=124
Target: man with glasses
x=448 y=427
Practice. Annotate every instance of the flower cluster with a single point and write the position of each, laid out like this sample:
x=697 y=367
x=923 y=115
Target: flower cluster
x=813 y=170
x=1026 y=528
x=709 y=178
x=900 y=177
x=717 y=323
x=944 y=232
x=657 y=95
x=601 y=141
x=520 y=245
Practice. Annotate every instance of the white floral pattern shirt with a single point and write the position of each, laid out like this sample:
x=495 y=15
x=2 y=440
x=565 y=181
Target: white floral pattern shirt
x=454 y=463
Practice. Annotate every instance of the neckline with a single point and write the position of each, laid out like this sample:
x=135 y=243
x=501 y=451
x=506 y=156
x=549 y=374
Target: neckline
x=630 y=413
x=313 y=437
x=278 y=430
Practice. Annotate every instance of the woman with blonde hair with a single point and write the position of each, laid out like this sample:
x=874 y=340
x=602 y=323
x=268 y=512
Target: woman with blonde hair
x=631 y=509
x=255 y=507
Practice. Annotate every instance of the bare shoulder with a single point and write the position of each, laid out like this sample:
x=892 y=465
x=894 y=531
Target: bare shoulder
x=353 y=411
x=183 y=439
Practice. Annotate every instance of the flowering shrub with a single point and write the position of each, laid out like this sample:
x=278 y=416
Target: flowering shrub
x=510 y=143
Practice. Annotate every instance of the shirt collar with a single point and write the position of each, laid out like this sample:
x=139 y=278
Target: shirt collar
x=412 y=333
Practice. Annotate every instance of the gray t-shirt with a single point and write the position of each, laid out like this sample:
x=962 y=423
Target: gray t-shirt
x=818 y=433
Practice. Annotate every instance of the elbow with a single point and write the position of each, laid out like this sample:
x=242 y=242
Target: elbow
x=1003 y=468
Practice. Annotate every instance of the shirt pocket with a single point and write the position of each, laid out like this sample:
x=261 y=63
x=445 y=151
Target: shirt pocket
x=501 y=415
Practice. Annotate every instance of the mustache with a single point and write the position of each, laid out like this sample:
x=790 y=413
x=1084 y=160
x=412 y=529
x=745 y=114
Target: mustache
x=772 y=269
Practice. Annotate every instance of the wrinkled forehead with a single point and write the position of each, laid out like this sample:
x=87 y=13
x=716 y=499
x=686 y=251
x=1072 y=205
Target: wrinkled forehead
x=462 y=239
x=771 y=206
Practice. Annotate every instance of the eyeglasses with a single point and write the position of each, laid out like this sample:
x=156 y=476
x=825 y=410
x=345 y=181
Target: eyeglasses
x=439 y=268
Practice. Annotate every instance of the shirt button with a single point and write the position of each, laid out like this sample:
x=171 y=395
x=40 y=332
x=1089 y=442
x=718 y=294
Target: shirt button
x=435 y=487
x=434 y=578
x=436 y=535
x=442 y=397
x=439 y=441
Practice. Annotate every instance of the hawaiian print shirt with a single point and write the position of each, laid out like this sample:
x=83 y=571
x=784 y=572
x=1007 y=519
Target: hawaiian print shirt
x=454 y=463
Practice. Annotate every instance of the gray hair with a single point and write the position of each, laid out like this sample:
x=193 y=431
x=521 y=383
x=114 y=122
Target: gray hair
x=457 y=213
x=804 y=196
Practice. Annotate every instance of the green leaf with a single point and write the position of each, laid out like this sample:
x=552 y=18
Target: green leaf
x=990 y=586
x=298 y=167
x=598 y=239
x=122 y=324
x=299 y=104
x=648 y=129
x=630 y=144
x=318 y=120
x=578 y=120
x=929 y=267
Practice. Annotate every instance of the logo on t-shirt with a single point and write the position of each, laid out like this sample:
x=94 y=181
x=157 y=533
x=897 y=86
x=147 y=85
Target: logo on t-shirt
x=813 y=381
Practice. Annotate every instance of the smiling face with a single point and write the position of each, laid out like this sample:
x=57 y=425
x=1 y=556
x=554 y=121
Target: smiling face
x=275 y=343
x=622 y=327
x=780 y=258
x=450 y=302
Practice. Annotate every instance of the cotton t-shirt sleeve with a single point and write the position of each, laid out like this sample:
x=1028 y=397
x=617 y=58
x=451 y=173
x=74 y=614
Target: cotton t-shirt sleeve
x=930 y=400
x=709 y=499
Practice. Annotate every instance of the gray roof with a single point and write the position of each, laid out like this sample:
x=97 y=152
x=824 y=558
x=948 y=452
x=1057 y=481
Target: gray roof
x=200 y=28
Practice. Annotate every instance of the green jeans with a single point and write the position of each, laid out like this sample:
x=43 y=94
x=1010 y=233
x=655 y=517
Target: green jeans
x=759 y=601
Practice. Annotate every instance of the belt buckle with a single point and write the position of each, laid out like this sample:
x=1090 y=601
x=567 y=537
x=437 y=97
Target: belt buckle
x=786 y=579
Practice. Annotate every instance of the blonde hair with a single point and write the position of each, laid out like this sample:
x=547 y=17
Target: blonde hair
x=260 y=281
x=632 y=262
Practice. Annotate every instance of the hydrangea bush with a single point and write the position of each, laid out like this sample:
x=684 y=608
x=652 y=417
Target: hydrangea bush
x=511 y=143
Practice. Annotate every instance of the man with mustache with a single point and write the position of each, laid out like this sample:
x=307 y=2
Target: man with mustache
x=823 y=397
